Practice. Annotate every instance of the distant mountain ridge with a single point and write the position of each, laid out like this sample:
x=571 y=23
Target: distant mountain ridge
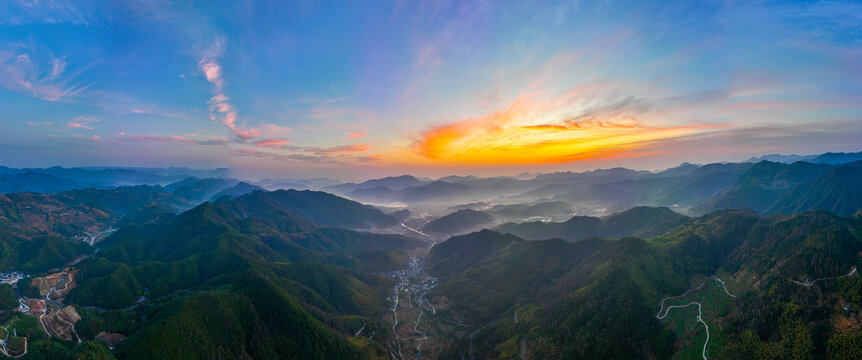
x=825 y=158
x=119 y=176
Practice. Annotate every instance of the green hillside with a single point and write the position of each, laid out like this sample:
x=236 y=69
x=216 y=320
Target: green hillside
x=322 y=208
x=457 y=222
x=760 y=186
x=598 y=299
x=226 y=286
x=838 y=191
x=638 y=221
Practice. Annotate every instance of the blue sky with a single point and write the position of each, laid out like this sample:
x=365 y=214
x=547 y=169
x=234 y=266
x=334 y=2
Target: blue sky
x=356 y=89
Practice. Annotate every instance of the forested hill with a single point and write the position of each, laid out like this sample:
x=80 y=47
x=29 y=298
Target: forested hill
x=580 y=298
x=241 y=281
x=638 y=221
x=322 y=208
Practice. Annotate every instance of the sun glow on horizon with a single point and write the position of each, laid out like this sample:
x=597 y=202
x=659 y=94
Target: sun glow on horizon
x=540 y=129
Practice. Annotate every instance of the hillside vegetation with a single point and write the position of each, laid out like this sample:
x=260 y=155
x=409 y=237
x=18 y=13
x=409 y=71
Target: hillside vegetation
x=597 y=298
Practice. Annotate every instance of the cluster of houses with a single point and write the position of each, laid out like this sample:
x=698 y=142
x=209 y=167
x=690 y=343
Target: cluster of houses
x=12 y=277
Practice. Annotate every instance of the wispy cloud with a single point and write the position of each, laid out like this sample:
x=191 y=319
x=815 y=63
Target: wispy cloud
x=20 y=72
x=271 y=142
x=38 y=124
x=81 y=122
x=323 y=156
x=124 y=104
x=343 y=149
x=356 y=134
x=18 y=12
x=219 y=104
x=173 y=139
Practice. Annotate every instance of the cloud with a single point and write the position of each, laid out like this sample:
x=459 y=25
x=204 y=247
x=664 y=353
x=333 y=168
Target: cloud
x=356 y=134
x=177 y=140
x=86 y=139
x=20 y=72
x=19 y=12
x=124 y=104
x=81 y=122
x=274 y=130
x=314 y=157
x=343 y=149
x=212 y=71
x=596 y=120
x=219 y=106
x=46 y=123
x=271 y=142
x=58 y=66
x=340 y=150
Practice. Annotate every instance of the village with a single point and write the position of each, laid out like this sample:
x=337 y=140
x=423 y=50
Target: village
x=55 y=318
x=12 y=277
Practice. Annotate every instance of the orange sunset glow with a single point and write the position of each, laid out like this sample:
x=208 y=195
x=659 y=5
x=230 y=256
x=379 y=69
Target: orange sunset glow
x=536 y=130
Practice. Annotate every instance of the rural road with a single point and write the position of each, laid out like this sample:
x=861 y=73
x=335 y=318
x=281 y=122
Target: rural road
x=810 y=283
x=699 y=319
x=699 y=306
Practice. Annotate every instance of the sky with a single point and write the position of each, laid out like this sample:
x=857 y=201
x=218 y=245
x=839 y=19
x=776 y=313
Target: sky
x=356 y=89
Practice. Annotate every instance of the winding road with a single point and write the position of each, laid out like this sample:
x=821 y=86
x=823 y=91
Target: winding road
x=3 y=348
x=699 y=319
x=810 y=283
x=664 y=310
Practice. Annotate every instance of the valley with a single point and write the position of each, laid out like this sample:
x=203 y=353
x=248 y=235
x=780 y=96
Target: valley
x=466 y=276
x=430 y=180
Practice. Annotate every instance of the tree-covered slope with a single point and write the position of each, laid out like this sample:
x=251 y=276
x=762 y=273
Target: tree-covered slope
x=837 y=190
x=598 y=299
x=458 y=222
x=322 y=208
x=224 y=284
x=761 y=185
x=638 y=221
x=207 y=242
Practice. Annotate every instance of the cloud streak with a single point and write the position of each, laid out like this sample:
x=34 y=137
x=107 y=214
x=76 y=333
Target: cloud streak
x=330 y=156
x=176 y=140
x=219 y=104
x=82 y=122
x=19 y=72
x=271 y=142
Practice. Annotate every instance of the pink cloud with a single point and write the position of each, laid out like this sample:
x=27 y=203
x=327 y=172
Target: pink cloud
x=272 y=142
x=90 y=139
x=220 y=107
x=356 y=134
x=308 y=156
x=22 y=71
x=81 y=122
x=344 y=149
x=179 y=140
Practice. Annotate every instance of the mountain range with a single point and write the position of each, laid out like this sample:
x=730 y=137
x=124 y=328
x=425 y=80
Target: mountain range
x=605 y=264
